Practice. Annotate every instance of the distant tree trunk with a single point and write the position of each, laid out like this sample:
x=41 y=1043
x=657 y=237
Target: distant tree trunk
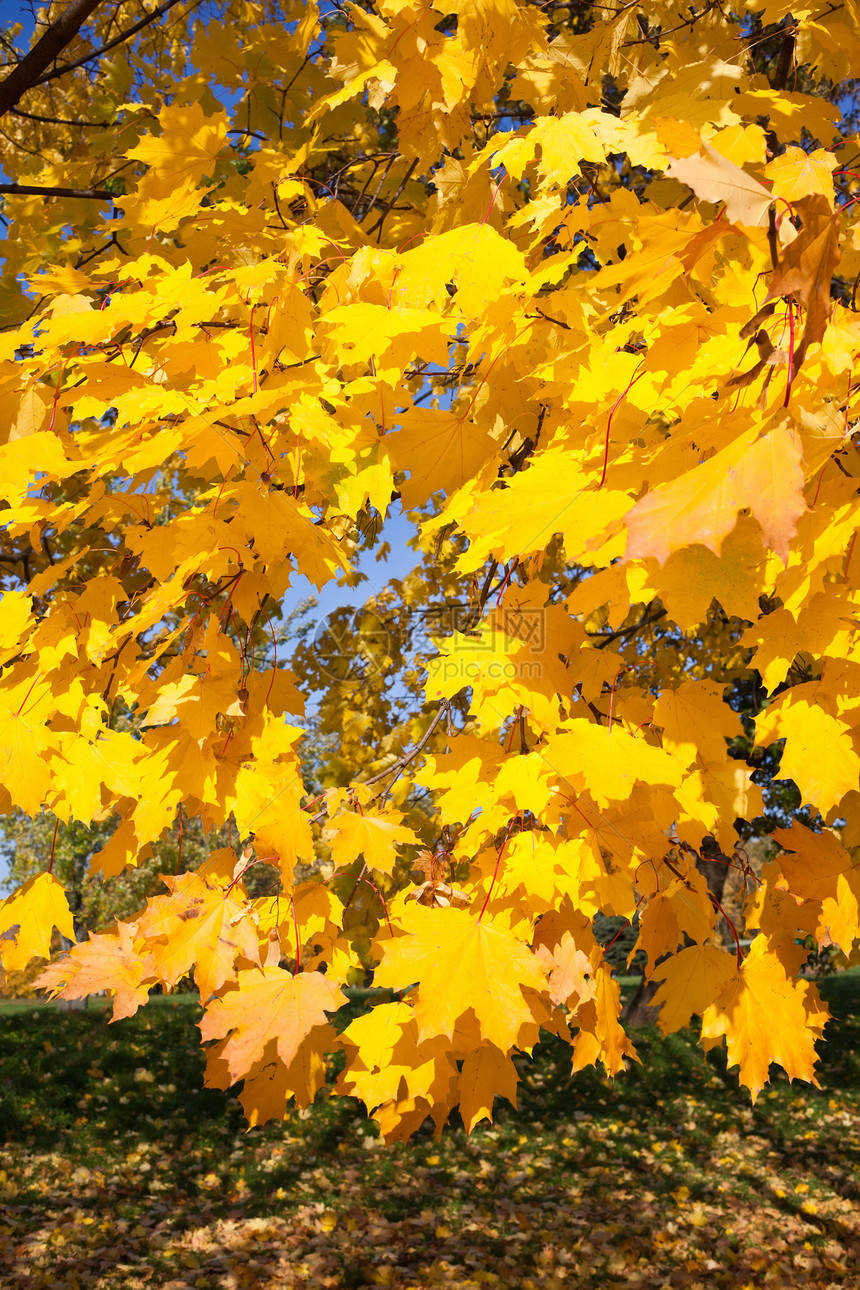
x=75 y=893
x=639 y=1009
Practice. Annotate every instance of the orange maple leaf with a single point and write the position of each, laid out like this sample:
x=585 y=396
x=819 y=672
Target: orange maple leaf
x=762 y=472
x=806 y=267
x=201 y=924
x=268 y=1004
x=107 y=961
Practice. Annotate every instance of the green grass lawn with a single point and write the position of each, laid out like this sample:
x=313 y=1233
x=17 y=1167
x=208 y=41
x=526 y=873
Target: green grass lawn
x=120 y=1170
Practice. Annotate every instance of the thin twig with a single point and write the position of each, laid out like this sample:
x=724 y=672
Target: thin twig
x=629 y=631
x=387 y=211
x=402 y=762
x=397 y=767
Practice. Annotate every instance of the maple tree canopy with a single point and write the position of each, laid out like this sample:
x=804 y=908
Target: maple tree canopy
x=572 y=284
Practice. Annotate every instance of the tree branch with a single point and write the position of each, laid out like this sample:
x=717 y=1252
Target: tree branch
x=397 y=767
x=646 y=621
x=785 y=60
x=402 y=762
x=56 y=120
x=111 y=44
x=32 y=190
x=47 y=48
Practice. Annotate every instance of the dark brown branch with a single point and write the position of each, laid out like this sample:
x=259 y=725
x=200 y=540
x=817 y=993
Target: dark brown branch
x=630 y=631
x=557 y=321
x=278 y=206
x=31 y=190
x=56 y=120
x=374 y=167
x=522 y=114
x=772 y=243
x=379 y=186
x=785 y=60
x=46 y=49
x=100 y=250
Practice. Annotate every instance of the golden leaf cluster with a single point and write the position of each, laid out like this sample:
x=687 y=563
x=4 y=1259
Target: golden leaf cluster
x=575 y=291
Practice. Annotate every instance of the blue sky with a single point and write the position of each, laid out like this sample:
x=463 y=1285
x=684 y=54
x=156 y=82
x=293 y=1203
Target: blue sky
x=14 y=11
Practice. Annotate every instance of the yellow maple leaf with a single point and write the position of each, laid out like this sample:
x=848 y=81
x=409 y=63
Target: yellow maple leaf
x=715 y=179
x=528 y=779
x=373 y=835
x=200 y=924
x=485 y=1075
x=187 y=147
x=265 y=801
x=797 y=173
x=818 y=754
x=564 y=942
x=440 y=450
x=691 y=980
x=779 y=914
x=601 y=1037
x=778 y=639
x=812 y=862
x=15 y=617
x=766 y=1016
x=462 y=776
x=376 y=1034
x=24 y=772
x=555 y=495
x=479 y=259
x=269 y=1084
x=694 y=576
x=461 y=964
x=818 y=868
x=33 y=412
x=659 y=932
x=391 y=337
x=696 y=721
x=386 y=1061
x=28 y=918
x=607 y=763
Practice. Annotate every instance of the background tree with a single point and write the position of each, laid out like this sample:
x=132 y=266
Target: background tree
x=570 y=286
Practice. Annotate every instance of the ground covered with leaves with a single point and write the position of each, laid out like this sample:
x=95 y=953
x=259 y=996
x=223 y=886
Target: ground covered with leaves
x=120 y=1170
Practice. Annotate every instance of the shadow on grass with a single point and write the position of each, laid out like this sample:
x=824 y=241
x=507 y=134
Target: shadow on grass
x=125 y=1172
